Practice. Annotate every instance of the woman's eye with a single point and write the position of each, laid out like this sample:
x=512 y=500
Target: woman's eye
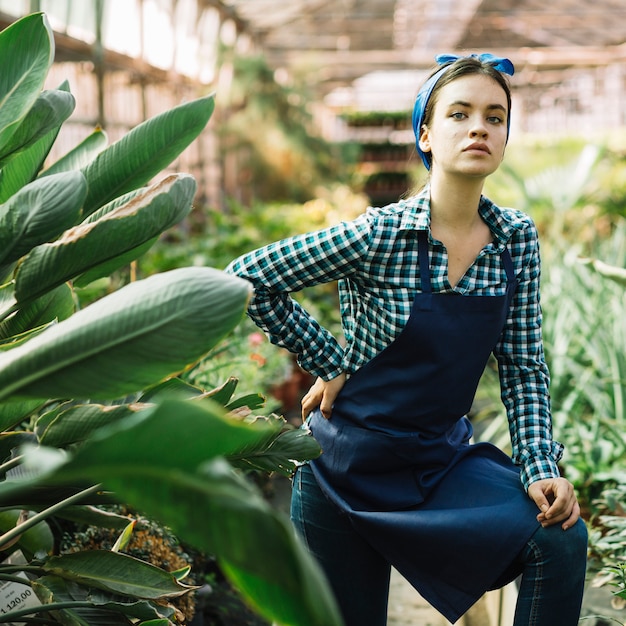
x=494 y=119
x=457 y=115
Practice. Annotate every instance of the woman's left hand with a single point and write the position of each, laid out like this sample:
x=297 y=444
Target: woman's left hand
x=556 y=500
x=322 y=394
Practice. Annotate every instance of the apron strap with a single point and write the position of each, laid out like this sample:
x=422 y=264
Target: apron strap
x=511 y=279
x=508 y=265
x=422 y=247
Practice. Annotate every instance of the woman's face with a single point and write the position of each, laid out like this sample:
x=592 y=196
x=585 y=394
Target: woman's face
x=468 y=131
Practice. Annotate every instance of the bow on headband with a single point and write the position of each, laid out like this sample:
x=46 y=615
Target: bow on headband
x=501 y=64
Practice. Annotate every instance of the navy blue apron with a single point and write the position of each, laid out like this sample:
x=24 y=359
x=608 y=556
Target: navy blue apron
x=449 y=516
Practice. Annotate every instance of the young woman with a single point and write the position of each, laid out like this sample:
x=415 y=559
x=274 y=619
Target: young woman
x=429 y=288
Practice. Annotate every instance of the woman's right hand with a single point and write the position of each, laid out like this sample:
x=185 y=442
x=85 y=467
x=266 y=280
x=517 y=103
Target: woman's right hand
x=322 y=394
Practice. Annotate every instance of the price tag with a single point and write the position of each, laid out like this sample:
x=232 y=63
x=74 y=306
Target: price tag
x=14 y=596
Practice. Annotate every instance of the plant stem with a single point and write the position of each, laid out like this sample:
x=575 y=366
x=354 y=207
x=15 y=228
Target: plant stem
x=35 y=519
x=45 y=608
x=5 y=467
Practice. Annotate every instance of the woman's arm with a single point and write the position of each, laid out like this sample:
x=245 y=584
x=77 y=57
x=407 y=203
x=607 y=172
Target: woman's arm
x=524 y=376
x=287 y=266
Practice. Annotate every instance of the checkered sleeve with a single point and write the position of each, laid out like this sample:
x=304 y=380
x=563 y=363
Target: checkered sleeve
x=287 y=266
x=524 y=375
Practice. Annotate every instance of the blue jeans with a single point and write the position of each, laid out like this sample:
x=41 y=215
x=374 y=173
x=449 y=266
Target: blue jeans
x=553 y=564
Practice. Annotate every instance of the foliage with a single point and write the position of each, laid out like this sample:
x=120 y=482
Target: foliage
x=395 y=119
x=91 y=408
x=608 y=538
x=268 y=130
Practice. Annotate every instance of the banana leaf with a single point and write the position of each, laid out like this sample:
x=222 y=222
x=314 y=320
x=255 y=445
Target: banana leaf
x=26 y=54
x=64 y=426
x=115 y=572
x=22 y=167
x=128 y=340
x=48 y=112
x=279 y=453
x=145 y=151
x=91 y=245
x=86 y=606
x=224 y=393
x=79 y=156
x=93 y=516
x=56 y=305
x=39 y=212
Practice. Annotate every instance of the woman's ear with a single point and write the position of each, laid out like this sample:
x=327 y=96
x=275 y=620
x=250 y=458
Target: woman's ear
x=424 y=140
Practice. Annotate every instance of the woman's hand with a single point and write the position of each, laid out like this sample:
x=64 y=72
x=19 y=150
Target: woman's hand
x=322 y=394
x=556 y=500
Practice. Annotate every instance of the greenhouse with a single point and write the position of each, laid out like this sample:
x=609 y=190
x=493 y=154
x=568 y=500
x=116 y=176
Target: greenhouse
x=219 y=218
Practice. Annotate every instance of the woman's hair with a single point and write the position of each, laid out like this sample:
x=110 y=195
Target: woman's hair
x=464 y=66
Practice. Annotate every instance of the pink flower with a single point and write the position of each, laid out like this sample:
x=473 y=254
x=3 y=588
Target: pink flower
x=255 y=339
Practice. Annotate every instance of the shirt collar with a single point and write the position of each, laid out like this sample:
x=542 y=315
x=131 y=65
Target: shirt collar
x=502 y=222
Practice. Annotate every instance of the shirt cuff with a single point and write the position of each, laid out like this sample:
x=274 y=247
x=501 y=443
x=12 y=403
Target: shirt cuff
x=542 y=465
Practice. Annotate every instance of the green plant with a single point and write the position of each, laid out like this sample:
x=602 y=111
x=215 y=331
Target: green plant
x=268 y=133
x=91 y=409
x=607 y=552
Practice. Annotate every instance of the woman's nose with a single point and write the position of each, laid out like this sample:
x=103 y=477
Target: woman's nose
x=478 y=130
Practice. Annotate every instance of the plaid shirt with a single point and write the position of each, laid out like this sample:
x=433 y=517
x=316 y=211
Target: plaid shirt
x=375 y=260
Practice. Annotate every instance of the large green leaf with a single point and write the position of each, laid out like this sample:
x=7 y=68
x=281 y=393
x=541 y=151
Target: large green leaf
x=81 y=155
x=144 y=152
x=172 y=474
x=93 y=516
x=49 y=111
x=63 y=426
x=39 y=212
x=115 y=572
x=24 y=165
x=99 y=608
x=307 y=602
x=94 y=243
x=155 y=436
x=279 y=453
x=129 y=339
x=56 y=305
x=104 y=270
x=11 y=414
x=26 y=54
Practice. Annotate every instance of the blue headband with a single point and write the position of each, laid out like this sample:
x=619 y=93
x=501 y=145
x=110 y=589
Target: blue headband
x=419 y=109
